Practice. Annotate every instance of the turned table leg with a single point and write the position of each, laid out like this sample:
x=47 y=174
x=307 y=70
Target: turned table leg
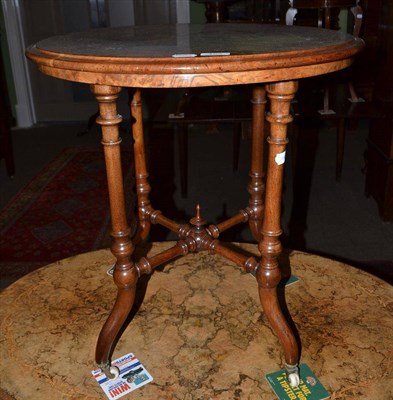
x=256 y=187
x=141 y=175
x=268 y=273
x=125 y=275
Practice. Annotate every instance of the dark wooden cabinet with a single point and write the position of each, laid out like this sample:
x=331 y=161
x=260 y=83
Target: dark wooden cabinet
x=6 y=150
x=379 y=176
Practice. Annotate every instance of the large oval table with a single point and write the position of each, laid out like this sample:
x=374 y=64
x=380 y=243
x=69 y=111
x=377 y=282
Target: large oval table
x=270 y=57
x=199 y=331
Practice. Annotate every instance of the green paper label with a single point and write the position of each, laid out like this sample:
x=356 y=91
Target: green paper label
x=288 y=281
x=291 y=280
x=310 y=387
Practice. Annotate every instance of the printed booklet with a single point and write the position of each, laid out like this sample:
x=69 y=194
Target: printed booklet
x=310 y=387
x=132 y=376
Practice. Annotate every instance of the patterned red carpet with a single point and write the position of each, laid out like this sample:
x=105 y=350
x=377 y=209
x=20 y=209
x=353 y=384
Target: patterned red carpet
x=63 y=211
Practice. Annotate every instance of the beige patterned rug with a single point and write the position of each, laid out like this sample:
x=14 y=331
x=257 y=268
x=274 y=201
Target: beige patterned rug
x=200 y=330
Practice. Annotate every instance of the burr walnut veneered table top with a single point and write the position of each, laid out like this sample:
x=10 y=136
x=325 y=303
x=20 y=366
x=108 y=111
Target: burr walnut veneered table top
x=142 y=56
x=272 y=58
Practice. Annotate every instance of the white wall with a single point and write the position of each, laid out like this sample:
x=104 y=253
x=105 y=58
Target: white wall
x=121 y=13
x=24 y=107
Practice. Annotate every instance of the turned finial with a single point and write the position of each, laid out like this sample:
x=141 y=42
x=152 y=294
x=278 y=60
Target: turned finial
x=198 y=221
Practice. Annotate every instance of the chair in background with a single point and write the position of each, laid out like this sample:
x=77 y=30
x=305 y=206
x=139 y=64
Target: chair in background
x=215 y=11
x=210 y=107
x=228 y=105
x=266 y=11
x=326 y=15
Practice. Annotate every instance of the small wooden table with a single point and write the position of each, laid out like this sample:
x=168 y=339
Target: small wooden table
x=174 y=56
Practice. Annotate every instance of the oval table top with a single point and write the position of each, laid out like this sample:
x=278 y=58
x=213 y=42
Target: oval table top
x=190 y=55
x=200 y=330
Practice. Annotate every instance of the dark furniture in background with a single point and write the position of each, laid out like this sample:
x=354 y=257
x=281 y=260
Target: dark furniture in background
x=266 y=11
x=216 y=11
x=210 y=107
x=6 y=150
x=379 y=173
x=334 y=104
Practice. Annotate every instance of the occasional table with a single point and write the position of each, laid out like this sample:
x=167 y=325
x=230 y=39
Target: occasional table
x=272 y=58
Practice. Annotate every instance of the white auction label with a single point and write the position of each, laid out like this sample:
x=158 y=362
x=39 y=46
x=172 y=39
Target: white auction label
x=280 y=158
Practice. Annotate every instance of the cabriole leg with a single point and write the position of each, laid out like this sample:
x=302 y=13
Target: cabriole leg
x=125 y=276
x=268 y=273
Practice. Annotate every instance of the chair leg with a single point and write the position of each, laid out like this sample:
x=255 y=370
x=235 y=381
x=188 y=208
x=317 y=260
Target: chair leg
x=182 y=138
x=6 y=149
x=237 y=134
x=326 y=99
x=354 y=97
x=294 y=142
x=256 y=187
x=340 y=144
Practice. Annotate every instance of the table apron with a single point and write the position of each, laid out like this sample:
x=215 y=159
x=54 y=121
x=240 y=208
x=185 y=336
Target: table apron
x=195 y=80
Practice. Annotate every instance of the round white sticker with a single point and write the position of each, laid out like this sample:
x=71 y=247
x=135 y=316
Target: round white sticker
x=280 y=158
